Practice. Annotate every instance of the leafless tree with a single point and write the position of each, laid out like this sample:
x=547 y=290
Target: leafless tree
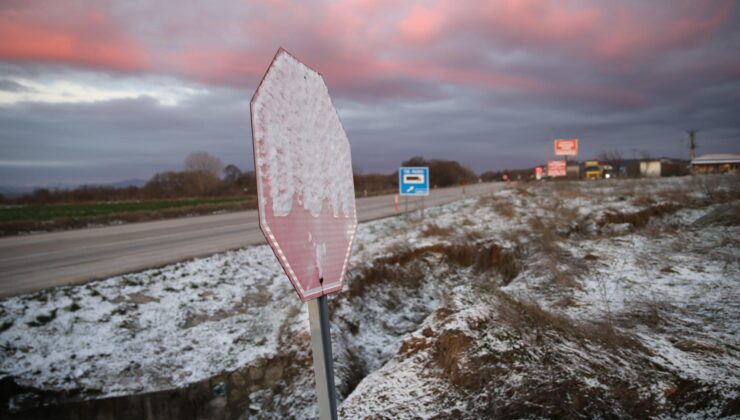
x=611 y=157
x=204 y=169
x=203 y=162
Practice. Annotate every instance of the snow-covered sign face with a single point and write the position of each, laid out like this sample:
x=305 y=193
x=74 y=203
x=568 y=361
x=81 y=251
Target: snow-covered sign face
x=304 y=176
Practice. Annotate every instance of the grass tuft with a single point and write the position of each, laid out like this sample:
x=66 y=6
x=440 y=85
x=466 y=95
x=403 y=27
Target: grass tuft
x=43 y=319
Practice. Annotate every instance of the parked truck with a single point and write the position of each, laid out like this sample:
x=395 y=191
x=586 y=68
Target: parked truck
x=592 y=170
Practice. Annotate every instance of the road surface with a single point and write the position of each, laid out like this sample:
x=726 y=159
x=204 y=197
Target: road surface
x=35 y=262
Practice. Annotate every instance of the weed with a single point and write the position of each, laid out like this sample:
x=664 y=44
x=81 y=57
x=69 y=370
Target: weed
x=502 y=261
x=412 y=345
x=643 y=200
x=504 y=208
x=449 y=349
x=74 y=307
x=528 y=315
x=641 y=218
x=43 y=319
x=404 y=269
x=6 y=325
x=523 y=191
x=433 y=229
x=127 y=281
x=40 y=297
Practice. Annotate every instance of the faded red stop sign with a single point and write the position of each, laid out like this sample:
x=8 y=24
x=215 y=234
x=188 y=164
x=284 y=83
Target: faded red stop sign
x=303 y=166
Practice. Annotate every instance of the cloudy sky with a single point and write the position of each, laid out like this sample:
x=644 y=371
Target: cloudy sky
x=104 y=90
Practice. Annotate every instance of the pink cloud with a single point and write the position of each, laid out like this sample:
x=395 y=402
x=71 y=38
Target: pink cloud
x=631 y=34
x=369 y=44
x=422 y=24
x=91 y=39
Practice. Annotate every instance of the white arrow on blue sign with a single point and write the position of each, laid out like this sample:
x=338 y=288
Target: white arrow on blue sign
x=413 y=181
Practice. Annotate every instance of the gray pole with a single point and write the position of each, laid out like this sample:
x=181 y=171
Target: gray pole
x=692 y=143
x=323 y=364
x=406 y=207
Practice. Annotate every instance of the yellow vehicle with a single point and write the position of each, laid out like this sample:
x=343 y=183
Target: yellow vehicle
x=593 y=170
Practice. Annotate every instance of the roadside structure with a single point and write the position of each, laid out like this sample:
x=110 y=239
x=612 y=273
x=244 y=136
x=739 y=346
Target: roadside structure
x=650 y=168
x=716 y=164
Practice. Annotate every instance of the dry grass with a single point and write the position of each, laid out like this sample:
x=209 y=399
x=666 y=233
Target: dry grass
x=500 y=260
x=406 y=266
x=447 y=354
x=547 y=241
x=413 y=345
x=640 y=218
x=432 y=229
x=522 y=190
x=504 y=208
x=555 y=390
x=528 y=315
x=546 y=236
x=643 y=200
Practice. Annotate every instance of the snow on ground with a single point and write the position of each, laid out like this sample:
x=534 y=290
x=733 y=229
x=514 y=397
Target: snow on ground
x=149 y=330
x=611 y=298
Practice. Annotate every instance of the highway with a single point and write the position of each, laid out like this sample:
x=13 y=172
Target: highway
x=34 y=262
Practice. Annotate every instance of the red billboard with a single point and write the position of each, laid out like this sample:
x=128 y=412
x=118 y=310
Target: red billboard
x=556 y=168
x=566 y=147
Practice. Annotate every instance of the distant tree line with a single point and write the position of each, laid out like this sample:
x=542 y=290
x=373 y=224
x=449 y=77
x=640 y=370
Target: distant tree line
x=442 y=173
x=204 y=175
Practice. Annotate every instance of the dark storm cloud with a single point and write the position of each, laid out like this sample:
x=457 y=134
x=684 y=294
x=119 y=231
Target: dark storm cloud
x=490 y=85
x=119 y=139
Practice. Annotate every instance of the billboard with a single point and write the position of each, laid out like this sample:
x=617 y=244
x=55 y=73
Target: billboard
x=556 y=168
x=566 y=147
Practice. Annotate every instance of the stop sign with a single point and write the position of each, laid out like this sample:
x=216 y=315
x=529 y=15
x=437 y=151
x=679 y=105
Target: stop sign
x=303 y=166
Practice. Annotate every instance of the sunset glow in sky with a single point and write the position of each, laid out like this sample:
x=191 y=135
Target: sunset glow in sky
x=100 y=91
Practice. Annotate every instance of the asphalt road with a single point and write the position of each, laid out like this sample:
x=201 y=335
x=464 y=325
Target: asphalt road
x=35 y=262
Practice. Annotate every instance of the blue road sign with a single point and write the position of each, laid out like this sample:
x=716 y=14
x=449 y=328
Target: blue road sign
x=413 y=181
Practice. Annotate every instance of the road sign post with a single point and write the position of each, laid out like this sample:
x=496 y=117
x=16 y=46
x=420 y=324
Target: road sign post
x=306 y=197
x=413 y=181
x=323 y=363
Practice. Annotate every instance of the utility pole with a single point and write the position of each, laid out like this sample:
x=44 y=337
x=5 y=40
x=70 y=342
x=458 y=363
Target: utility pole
x=692 y=142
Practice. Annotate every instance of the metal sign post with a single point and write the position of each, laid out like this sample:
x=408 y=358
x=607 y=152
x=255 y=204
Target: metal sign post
x=413 y=181
x=323 y=363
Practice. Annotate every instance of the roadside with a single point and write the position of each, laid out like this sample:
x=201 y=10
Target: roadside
x=583 y=299
x=21 y=219
x=34 y=262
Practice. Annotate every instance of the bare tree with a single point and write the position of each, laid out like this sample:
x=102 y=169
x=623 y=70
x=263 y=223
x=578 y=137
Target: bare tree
x=203 y=162
x=611 y=157
x=204 y=170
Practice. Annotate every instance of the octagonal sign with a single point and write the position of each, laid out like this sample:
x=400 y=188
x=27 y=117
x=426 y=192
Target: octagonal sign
x=303 y=166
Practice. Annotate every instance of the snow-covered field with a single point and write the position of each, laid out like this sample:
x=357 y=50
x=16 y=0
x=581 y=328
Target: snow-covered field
x=569 y=299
